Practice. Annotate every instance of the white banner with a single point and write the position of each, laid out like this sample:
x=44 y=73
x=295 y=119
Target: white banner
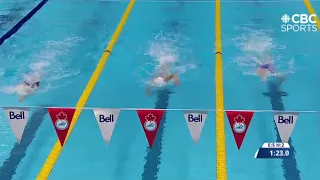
x=18 y=118
x=285 y=124
x=195 y=122
x=107 y=119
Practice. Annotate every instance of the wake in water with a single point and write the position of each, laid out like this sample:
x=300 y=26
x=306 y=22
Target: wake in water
x=164 y=51
x=258 y=48
x=47 y=68
x=30 y=83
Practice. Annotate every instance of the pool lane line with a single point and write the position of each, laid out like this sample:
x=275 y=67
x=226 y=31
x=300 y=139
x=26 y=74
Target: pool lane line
x=221 y=154
x=312 y=11
x=18 y=152
x=56 y=151
x=153 y=157
x=26 y=18
x=289 y=166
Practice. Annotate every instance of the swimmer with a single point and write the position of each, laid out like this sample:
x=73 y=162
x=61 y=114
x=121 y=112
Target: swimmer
x=268 y=68
x=163 y=78
x=29 y=85
x=264 y=69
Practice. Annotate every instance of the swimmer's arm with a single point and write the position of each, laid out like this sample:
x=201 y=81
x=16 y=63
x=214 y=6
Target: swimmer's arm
x=148 y=89
x=21 y=98
x=262 y=74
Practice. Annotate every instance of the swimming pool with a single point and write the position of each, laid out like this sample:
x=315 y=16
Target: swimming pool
x=256 y=29
x=12 y=12
x=68 y=46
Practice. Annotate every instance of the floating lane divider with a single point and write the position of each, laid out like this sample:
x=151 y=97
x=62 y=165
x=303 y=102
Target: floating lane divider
x=311 y=11
x=26 y=18
x=55 y=152
x=221 y=156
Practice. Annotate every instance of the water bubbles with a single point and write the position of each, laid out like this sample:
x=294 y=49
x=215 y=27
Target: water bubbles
x=258 y=46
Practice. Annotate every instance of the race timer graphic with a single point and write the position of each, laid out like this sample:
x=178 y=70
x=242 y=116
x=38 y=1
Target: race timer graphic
x=274 y=150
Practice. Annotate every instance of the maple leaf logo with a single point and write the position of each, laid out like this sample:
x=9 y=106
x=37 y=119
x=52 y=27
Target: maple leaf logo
x=62 y=115
x=239 y=118
x=150 y=117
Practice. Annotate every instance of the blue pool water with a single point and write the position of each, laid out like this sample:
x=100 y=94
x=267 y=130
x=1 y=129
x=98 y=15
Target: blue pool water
x=257 y=29
x=12 y=12
x=68 y=45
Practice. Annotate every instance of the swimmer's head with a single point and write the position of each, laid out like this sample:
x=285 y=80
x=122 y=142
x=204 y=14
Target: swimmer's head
x=158 y=82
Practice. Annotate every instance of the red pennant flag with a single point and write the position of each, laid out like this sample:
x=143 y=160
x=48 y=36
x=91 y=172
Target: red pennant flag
x=150 y=121
x=239 y=123
x=61 y=119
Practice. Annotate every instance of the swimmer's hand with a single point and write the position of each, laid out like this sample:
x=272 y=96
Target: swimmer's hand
x=176 y=80
x=264 y=78
x=148 y=91
x=282 y=79
x=21 y=98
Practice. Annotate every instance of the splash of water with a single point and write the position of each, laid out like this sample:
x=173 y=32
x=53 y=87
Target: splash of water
x=259 y=47
x=46 y=66
x=164 y=50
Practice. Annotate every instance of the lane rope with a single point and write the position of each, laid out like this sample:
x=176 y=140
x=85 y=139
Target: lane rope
x=221 y=154
x=312 y=11
x=108 y=51
x=57 y=149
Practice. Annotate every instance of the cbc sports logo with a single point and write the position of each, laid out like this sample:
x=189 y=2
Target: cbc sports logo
x=299 y=23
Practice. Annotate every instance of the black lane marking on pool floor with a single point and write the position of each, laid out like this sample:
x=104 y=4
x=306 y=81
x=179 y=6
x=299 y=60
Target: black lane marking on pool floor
x=8 y=169
x=153 y=158
x=290 y=169
x=26 y=18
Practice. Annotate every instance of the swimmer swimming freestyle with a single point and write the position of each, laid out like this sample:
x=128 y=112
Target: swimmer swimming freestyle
x=268 y=69
x=29 y=85
x=162 y=78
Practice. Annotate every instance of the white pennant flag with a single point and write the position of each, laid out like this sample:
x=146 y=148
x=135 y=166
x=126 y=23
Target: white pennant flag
x=18 y=118
x=285 y=124
x=107 y=119
x=195 y=122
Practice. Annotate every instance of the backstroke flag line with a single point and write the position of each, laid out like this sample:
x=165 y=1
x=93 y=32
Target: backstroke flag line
x=106 y=119
x=239 y=123
x=195 y=122
x=285 y=124
x=150 y=121
x=18 y=118
x=61 y=119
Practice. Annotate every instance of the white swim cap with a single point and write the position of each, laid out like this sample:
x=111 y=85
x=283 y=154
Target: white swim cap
x=159 y=81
